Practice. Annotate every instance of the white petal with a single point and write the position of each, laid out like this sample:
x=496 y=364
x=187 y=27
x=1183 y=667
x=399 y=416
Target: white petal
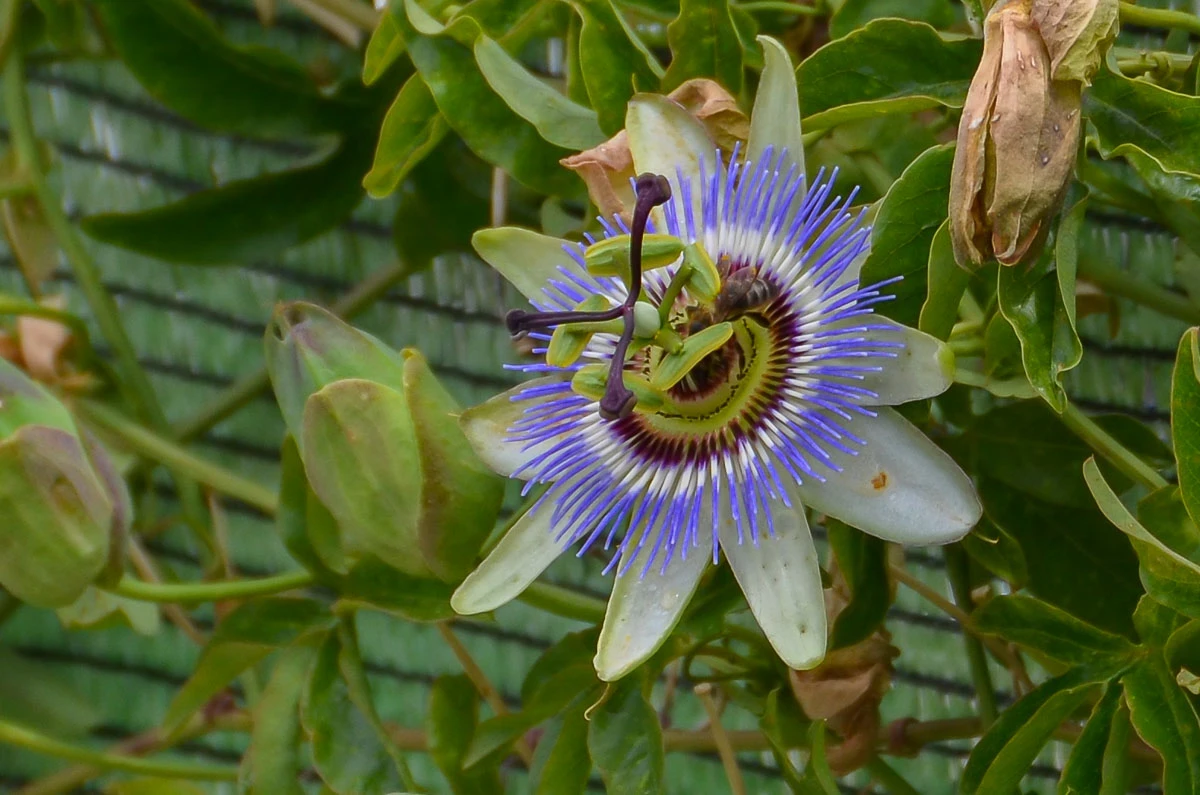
x=642 y=611
x=665 y=139
x=775 y=120
x=781 y=579
x=924 y=368
x=527 y=259
x=901 y=487
x=486 y=428
x=524 y=553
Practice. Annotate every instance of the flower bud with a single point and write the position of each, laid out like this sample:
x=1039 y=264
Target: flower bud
x=1077 y=33
x=1019 y=133
x=381 y=446
x=58 y=513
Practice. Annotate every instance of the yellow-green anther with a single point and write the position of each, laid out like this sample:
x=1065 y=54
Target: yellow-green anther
x=567 y=344
x=674 y=366
x=610 y=257
x=591 y=382
x=705 y=281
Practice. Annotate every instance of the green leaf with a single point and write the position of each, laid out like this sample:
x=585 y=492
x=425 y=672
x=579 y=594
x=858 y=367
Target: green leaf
x=412 y=127
x=818 y=777
x=1169 y=577
x=450 y=725
x=998 y=552
x=559 y=120
x=1039 y=301
x=183 y=61
x=1027 y=447
x=856 y=13
x=384 y=49
x=272 y=763
x=1182 y=649
x=244 y=219
x=904 y=229
x=1136 y=114
x=1185 y=420
x=346 y=749
x=1165 y=515
x=625 y=739
x=1004 y=754
x=782 y=736
x=99 y=609
x=1165 y=718
x=241 y=640
x=446 y=61
x=704 y=43
x=1076 y=562
x=862 y=560
x=1047 y=629
x=945 y=284
x=613 y=61
x=890 y=66
x=1098 y=764
x=374 y=585
x=561 y=764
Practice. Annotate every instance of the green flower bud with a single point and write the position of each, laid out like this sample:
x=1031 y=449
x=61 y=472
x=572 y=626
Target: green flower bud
x=59 y=516
x=381 y=446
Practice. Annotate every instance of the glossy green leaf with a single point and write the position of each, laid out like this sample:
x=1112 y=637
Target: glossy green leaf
x=1169 y=577
x=446 y=61
x=945 y=284
x=384 y=49
x=241 y=640
x=183 y=61
x=889 y=66
x=855 y=14
x=1137 y=114
x=904 y=229
x=346 y=750
x=862 y=560
x=1004 y=754
x=625 y=739
x=559 y=120
x=613 y=61
x=272 y=764
x=1047 y=629
x=1027 y=447
x=412 y=127
x=1185 y=420
x=704 y=43
x=450 y=725
x=998 y=552
x=374 y=585
x=1099 y=762
x=1182 y=649
x=1076 y=561
x=1039 y=301
x=561 y=765
x=244 y=219
x=1166 y=719
x=1164 y=514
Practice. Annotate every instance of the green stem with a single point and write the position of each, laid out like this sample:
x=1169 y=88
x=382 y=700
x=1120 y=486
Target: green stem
x=1126 y=285
x=1115 y=452
x=30 y=740
x=249 y=387
x=1159 y=18
x=888 y=778
x=563 y=602
x=186 y=593
x=780 y=7
x=960 y=584
x=154 y=447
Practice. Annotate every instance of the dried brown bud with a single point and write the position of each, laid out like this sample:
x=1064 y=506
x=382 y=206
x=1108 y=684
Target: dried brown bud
x=1017 y=142
x=1077 y=33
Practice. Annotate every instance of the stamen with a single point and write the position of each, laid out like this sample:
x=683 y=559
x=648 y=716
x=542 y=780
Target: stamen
x=619 y=400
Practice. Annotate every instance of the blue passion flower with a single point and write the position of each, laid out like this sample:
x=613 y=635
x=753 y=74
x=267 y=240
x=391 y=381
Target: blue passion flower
x=711 y=369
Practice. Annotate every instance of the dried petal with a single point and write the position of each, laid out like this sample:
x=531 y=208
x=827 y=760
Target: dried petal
x=1077 y=33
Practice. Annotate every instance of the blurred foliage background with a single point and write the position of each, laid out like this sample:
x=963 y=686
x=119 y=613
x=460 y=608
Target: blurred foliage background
x=205 y=160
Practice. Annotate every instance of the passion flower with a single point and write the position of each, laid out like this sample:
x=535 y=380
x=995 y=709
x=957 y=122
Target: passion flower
x=708 y=372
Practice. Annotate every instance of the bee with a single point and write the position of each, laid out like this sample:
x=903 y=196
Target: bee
x=743 y=292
